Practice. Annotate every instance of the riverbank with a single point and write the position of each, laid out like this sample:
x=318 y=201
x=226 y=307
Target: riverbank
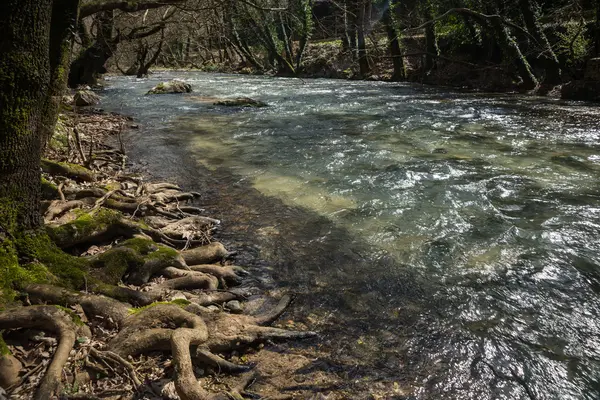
x=407 y=218
x=146 y=256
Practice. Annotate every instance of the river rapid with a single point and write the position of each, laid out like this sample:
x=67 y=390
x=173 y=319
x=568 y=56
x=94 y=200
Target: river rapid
x=443 y=242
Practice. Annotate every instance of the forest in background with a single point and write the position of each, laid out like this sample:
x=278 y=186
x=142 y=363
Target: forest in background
x=494 y=45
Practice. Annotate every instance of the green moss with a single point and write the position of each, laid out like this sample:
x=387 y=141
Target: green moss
x=73 y=171
x=112 y=186
x=59 y=141
x=14 y=275
x=49 y=189
x=163 y=253
x=149 y=249
x=116 y=262
x=76 y=319
x=85 y=225
x=178 y=302
x=129 y=256
x=38 y=248
x=4 y=350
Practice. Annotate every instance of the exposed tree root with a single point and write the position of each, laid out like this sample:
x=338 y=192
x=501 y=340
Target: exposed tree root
x=53 y=319
x=93 y=305
x=72 y=171
x=133 y=262
x=205 y=255
x=231 y=274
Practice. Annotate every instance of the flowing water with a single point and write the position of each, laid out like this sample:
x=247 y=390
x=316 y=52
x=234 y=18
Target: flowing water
x=446 y=242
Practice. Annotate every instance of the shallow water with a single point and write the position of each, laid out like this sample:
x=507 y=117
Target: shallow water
x=447 y=242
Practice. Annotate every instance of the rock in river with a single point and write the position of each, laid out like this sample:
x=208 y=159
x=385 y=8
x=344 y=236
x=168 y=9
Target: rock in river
x=173 y=86
x=241 y=102
x=86 y=98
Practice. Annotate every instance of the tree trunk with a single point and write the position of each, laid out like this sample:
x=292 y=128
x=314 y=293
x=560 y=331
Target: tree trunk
x=351 y=22
x=363 y=60
x=512 y=53
x=63 y=26
x=551 y=64
x=430 y=40
x=24 y=80
x=394 y=42
x=597 y=38
x=306 y=31
x=90 y=63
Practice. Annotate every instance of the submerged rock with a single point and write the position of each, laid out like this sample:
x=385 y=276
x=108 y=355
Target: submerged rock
x=85 y=98
x=241 y=102
x=173 y=86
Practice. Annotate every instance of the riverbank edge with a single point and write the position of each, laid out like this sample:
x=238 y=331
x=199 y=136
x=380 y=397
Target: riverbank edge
x=574 y=90
x=65 y=167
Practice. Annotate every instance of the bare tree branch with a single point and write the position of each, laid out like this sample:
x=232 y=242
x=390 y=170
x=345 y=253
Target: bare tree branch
x=127 y=6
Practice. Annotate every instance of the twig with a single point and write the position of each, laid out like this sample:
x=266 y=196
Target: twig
x=79 y=147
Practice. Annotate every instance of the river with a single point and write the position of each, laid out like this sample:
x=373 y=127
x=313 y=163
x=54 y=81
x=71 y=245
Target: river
x=446 y=243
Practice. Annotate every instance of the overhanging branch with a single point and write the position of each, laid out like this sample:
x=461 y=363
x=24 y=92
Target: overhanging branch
x=127 y=6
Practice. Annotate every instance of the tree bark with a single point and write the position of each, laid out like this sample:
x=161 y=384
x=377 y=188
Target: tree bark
x=350 y=19
x=363 y=60
x=512 y=53
x=430 y=39
x=550 y=61
x=597 y=38
x=394 y=42
x=97 y=6
x=24 y=80
x=90 y=63
x=63 y=26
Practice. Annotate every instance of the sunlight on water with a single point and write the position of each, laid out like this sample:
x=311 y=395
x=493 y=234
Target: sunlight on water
x=489 y=203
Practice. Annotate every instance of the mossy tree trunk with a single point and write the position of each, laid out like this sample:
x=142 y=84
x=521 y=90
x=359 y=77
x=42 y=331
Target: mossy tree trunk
x=363 y=59
x=512 y=53
x=63 y=26
x=350 y=22
x=431 y=44
x=394 y=42
x=24 y=83
x=550 y=61
x=90 y=62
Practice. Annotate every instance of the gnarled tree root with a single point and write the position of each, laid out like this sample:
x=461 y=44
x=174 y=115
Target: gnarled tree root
x=48 y=318
x=210 y=253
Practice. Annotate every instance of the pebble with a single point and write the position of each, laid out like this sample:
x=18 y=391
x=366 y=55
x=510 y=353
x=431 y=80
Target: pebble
x=234 y=307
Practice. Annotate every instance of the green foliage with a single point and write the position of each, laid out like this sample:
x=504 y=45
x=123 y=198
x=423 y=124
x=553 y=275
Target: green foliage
x=178 y=302
x=76 y=319
x=40 y=251
x=85 y=225
x=573 y=44
x=4 y=350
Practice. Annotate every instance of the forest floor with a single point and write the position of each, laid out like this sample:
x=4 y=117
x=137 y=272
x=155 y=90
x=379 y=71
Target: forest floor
x=161 y=304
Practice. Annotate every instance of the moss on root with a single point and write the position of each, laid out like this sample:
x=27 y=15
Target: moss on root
x=129 y=256
x=73 y=171
x=178 y=302
x=49 y=190
x=76 y=318
x=114 y=264
x=33 y=258
x=4 y=350
x=70 y=271
x=84 y=226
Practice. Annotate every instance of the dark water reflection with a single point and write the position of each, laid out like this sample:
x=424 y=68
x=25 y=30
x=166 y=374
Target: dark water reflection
x=444 y=241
